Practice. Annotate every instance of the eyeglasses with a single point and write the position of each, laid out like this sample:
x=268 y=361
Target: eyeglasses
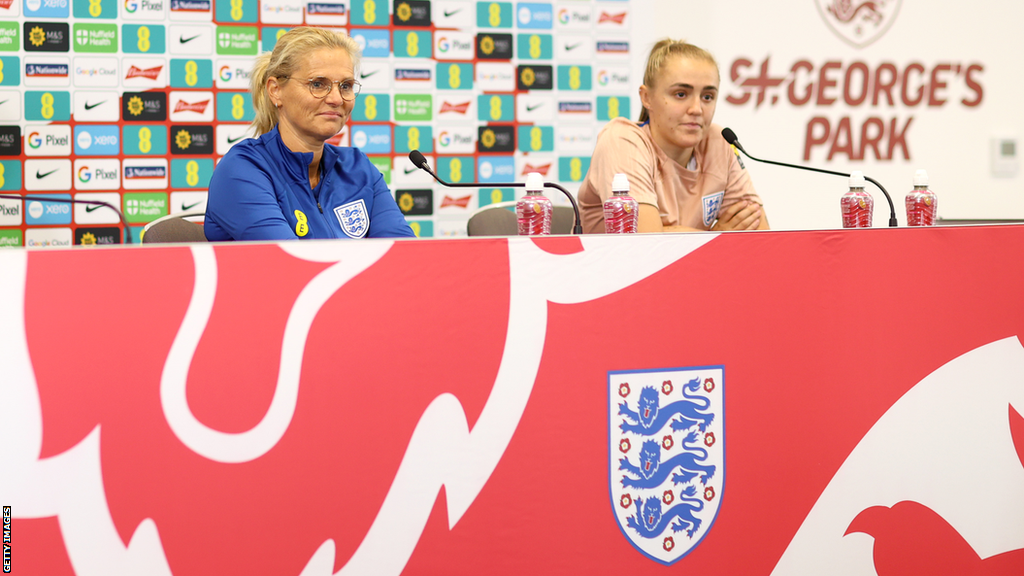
x=320 y=87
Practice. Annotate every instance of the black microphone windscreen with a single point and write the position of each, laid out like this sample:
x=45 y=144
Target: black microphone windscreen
x=417 y=159
x=730 y=136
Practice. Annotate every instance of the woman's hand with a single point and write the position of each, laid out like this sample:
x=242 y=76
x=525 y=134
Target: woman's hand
x=742 y=215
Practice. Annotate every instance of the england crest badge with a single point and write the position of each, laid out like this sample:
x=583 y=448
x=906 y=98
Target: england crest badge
x=666 y=457
x=353 y=218
x=712 y=203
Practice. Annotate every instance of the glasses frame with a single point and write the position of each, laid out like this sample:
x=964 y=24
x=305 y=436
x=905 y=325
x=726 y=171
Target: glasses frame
x=356 y=87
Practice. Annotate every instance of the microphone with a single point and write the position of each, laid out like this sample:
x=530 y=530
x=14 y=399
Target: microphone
x=731 y=138
x=44 y=198
x=420 y=162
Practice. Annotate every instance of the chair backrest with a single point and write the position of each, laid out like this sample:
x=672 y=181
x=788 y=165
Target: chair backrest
x=174 y=228
x=500 y=220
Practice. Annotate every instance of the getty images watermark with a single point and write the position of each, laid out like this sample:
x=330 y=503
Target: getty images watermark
x=7 y=539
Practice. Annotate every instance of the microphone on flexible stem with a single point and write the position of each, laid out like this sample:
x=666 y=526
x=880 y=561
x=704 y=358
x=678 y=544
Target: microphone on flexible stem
x=127 y=230
x=731 y=138
x=420 y=162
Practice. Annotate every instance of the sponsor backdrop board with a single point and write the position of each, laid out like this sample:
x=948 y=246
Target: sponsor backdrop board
x=813 y=437
x=141 y=97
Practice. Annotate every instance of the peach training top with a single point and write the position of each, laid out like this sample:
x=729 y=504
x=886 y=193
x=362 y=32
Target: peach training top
x=685 y=196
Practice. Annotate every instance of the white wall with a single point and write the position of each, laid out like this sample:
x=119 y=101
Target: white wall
x=951 y=141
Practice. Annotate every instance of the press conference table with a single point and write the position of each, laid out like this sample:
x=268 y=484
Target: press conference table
x=841 y=402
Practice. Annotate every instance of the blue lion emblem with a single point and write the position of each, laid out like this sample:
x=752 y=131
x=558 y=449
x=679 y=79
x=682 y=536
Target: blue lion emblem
x=650 y=416
x=652 y=521
x=652 y=472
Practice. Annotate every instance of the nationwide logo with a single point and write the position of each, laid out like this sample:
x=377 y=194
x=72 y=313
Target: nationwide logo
x=575 y=107
x=448 y=107
x=461 y=202
x=198 y=107
x=412 y=74
x=858 y=22
x=614 y=18
x=136 y=72
x=144 y=172
x=46 y=70
x=542 y=169
x=613 y=47
x=319 y=8
x=191 y=5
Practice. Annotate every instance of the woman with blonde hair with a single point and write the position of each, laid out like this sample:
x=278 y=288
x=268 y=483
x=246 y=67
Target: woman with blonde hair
x=681 y=171
x=288 y=183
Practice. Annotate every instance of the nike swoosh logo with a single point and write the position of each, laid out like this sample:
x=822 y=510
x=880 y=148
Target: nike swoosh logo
x=407 y=171
x=573 y=47
x=91 y=106
x=92 y=207
x=532 y=108
x=233 y=140
x=184 y=40
x=41 y=176
x=364 y=75
x=448 y=14
x=185 y=207
x=5 y=102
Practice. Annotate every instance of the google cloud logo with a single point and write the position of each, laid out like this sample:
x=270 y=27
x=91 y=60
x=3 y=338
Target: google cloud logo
x=35 y=140
x=225 y=73
x=84 y=175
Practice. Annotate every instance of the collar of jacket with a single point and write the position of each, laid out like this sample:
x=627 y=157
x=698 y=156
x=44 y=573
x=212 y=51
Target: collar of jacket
x=297 y=163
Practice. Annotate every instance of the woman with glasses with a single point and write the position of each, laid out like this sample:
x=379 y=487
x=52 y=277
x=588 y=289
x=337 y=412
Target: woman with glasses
x=288 y=183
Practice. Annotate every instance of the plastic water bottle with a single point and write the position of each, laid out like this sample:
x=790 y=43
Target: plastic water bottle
x=921 y=202
x=621 y=210
x=533 y=211
x=857 y=205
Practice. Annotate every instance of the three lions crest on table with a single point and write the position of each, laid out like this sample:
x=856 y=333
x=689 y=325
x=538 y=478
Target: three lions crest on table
x=666 y=457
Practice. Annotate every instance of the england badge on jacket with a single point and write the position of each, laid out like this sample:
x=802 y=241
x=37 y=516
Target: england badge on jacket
x=353 y=218
x=666 y=456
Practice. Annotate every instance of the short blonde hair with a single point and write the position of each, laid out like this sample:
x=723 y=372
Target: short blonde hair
x=661 y=52
x=291 y=48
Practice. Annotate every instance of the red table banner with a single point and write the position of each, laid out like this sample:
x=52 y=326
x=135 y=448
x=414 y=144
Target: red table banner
x=829 y=402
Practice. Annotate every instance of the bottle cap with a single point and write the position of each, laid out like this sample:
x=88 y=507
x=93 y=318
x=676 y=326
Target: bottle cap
x=857 y=179
x=534 y=182
x=921 y=178
x=620 y=183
